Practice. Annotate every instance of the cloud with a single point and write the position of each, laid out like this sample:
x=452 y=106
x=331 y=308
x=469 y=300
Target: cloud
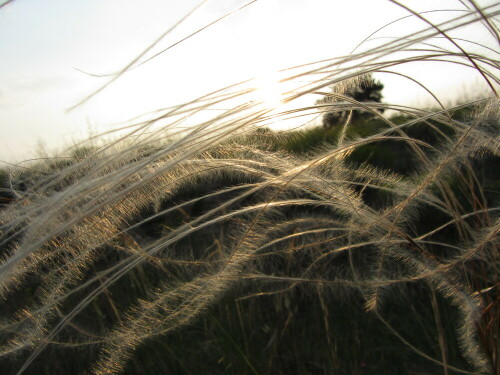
x=20 y=89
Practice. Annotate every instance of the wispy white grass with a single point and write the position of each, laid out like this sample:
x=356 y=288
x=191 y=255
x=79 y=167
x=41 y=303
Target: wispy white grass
x=259 y=200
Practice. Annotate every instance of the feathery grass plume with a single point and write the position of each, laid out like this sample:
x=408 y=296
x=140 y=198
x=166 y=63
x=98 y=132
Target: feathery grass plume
x=146 y=235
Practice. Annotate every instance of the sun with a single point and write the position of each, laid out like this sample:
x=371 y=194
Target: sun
x=269 y=89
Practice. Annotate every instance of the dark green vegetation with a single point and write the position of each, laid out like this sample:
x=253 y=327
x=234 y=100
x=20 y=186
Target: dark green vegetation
x=288 y=313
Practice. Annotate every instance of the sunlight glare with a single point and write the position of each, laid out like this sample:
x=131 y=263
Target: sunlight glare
x=268 y=90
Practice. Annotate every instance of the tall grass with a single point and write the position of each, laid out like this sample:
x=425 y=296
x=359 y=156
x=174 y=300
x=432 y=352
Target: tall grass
x=160 y=226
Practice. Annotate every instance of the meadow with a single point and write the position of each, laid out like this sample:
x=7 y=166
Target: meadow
x=366 y=247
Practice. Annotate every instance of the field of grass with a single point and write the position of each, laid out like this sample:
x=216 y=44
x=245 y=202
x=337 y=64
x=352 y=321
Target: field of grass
x=370 y=247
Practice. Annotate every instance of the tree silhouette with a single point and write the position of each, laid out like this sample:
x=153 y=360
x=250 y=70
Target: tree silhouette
x=366 y=89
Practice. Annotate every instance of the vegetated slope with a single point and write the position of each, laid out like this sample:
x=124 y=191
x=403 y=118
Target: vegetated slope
x=303 y=253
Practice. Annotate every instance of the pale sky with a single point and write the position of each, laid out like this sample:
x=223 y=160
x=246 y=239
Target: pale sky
x=42 y=42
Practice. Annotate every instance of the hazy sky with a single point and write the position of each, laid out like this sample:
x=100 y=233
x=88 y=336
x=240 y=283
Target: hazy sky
x=42 y=42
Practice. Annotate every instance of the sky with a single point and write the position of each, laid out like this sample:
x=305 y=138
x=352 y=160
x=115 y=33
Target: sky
x=45 y=46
